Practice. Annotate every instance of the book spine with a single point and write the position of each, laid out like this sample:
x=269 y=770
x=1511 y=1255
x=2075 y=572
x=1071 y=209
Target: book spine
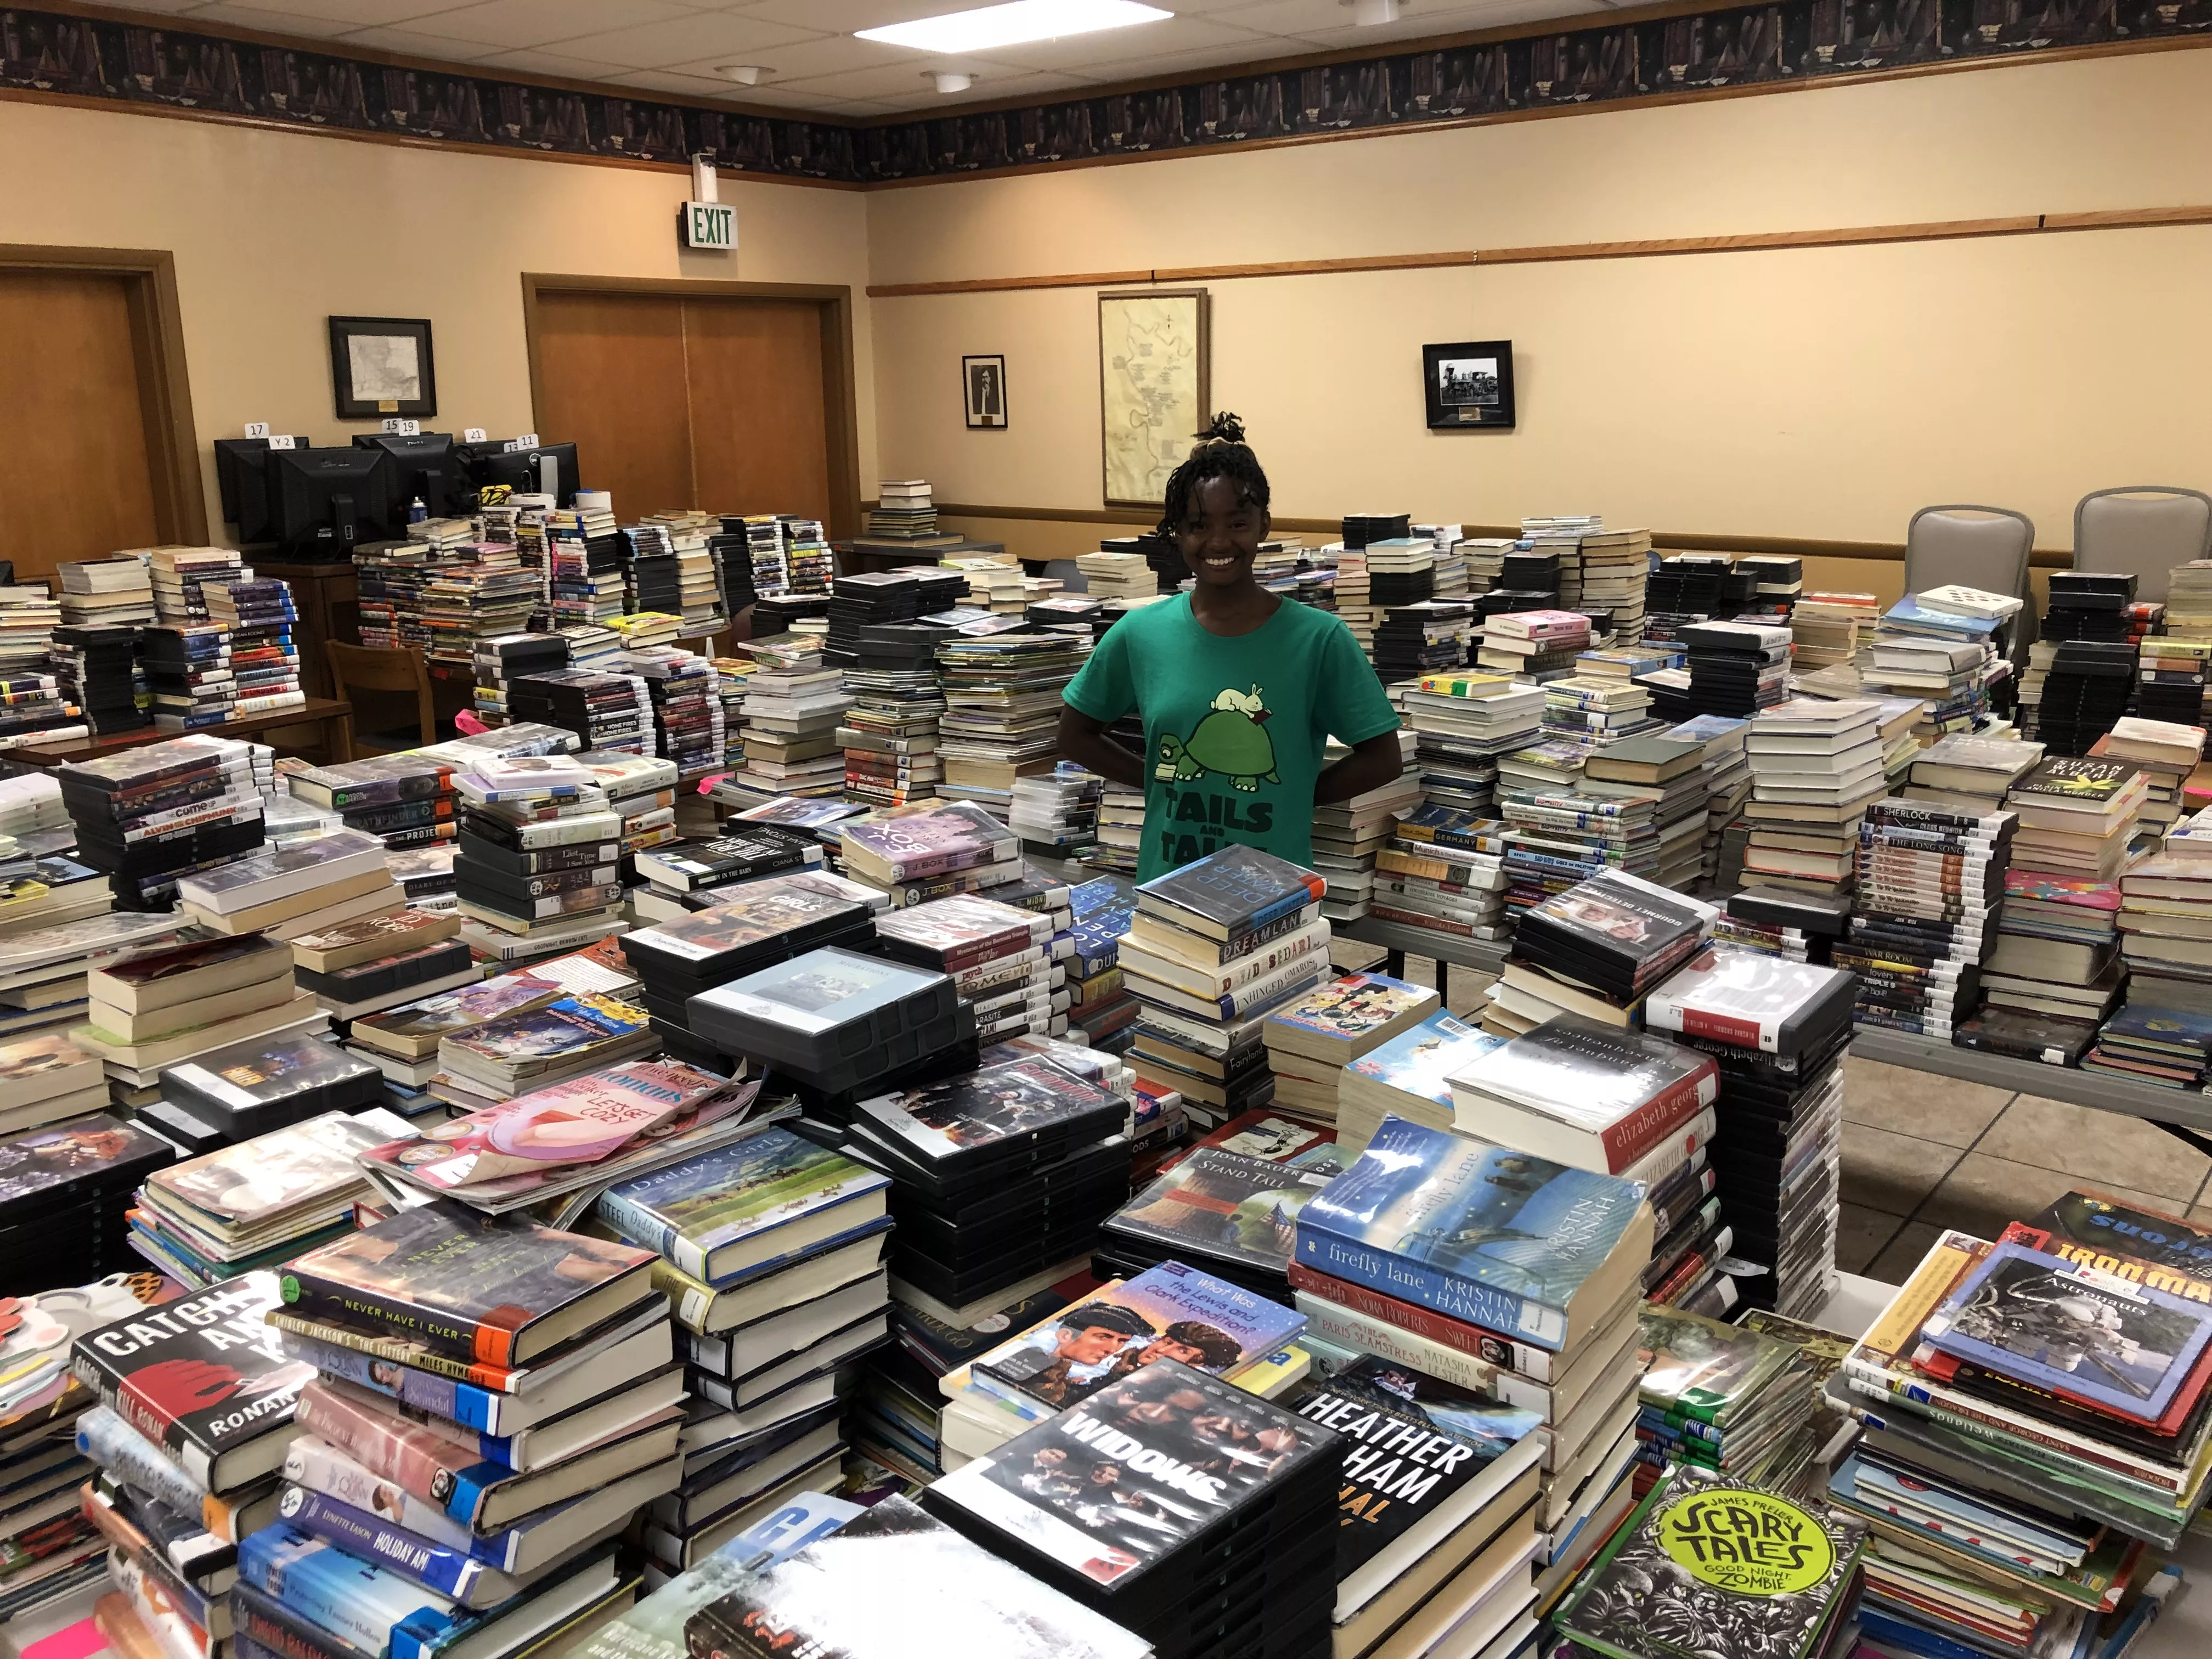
x=313 y=1297
x=435 y=1567
x=402 y=1351
x=648 y=1231
x=1628 y=1140
x=112 y=1443
x=1333 y=1323
x=325 y=1586
x=465 y=1404
x=1431 y=1287
x=413 y=1458
x=1994 y=1424
x=258 y=1617
x=318 y=1467
x=178 y=1637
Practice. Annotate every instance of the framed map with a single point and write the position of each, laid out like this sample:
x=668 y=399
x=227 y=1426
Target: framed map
x=1153 y=388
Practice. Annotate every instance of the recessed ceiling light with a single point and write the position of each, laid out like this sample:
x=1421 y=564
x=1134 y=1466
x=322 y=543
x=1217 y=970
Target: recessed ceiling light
x=745 y=75
x=1367 y=14
x=949 y=79
x=1014 y=23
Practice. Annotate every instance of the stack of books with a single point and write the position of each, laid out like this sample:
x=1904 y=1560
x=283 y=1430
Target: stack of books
x=1101 y=1012
x=999 y=959
x=1721 y=1399
x=1056 y=812
x=1595 y=950
x=583 y=573
x=1816 y=767
x=793 y=706
x=1599 y=710
x=403 y=1043
x=1969 y=774
x=606 y=710
x=48 y=1079
x=2056 y=951
x=62 y=1212
x=1556 y=836
x=43 y=970
x=260 y=1201
x=233 y=1093
x=488 y=1404
x=1461 y=723
x=2166 y=755
x=145 y=816
x=1737 y=668
x=265 y=662
x=1407 y=1077
x=29 y=616
x=1665 y=775
x=2169 y=674
x=477 y=592
x=1776 y=1030
x=928 y=851
x=771 y=1254
x=1534 y=1310
x=1188 y=958
x=1537 y=645
x=1255 y=1561
x=96 y=670
x=890 y=733
x=1725 y=769
x=1418 y=639
x=731 y=674
x=1109 y=574
x=999 y=1178
x=404 y=800
x=1923 y=903
x=188 y=1479
x=1972 y=630
x=903 y=509
x=1824 y=628
x=686 y=704
x=1312 y=1037
x=1802 y=926
x=107 y=592
x=2077 y=816
x=2163 y=902
x=304 y=886
x=186 y=999
x=1227 y=1211
x=1002 y=694
x=1616 y=567
x=534 y=863
x=187 y=669
x=1443 y=869
x=641 y=791
x=493 y=662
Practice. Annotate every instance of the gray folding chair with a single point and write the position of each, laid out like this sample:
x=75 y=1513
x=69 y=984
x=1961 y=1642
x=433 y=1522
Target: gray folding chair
x=2142 y=529
x=1983 y=547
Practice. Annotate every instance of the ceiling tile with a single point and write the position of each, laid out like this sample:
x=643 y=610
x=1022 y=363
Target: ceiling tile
x=904 y=84
x=729 y=37
x=1327 y=23
x=305 y=16
x=525 y=23
x=1087 y=54
x=829 y=54
x=846 y=17
x=411 y=42
x=927 y=101
x=170 y=6
x=272 y=23
x=545 y=62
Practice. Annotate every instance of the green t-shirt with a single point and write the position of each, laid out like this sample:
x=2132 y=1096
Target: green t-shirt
x=1234 y=728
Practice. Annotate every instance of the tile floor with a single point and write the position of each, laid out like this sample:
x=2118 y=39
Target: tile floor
x=1922 y=1153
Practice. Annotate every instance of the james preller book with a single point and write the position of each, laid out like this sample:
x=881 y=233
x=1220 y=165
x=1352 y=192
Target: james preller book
x=204 y=1377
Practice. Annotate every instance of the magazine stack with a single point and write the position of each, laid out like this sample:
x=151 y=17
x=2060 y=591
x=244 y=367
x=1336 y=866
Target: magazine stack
x=1927 y=889
x=771 y=1254
x=1244 y=1565
x=1776 y=1030
x=1597 y=950
x=186 y=1476
x=1312 y=1038
x=259 y=1202
x=999 y=1177
x=1211 y=949
x=1632 y=1598
x=1075 y=1351
x=486 y=1405
x=1000 y=957
x=2006 y=1483
x=538 y=869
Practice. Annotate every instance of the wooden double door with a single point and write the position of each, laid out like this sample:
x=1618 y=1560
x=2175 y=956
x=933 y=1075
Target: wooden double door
x=725 y=397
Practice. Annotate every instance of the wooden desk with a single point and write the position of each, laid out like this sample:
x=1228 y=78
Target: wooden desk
x=335 y=718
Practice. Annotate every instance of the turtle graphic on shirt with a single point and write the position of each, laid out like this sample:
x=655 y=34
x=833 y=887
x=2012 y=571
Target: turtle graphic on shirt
x=1231 y=740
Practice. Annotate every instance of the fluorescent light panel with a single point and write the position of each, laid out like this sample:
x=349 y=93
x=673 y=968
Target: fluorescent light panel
x=1014 y=24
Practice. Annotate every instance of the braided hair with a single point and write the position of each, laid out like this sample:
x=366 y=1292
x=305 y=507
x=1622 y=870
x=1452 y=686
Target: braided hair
x=1219 y=452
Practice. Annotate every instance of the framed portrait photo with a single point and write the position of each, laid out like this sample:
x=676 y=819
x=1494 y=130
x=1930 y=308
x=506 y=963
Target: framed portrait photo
x=382 y=366
x=983 y=380
x=1468 y=385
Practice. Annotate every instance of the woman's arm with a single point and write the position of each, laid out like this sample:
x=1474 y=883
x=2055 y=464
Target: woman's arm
x=1369 y=766
x=1085 y=742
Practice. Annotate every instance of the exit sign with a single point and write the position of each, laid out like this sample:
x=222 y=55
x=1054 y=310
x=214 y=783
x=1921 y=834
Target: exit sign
x=710 y=225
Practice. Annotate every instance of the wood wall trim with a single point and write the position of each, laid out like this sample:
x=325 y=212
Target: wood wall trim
x=2025 y=224
x=840 y=378
x=157 y=333
x=1667 y=540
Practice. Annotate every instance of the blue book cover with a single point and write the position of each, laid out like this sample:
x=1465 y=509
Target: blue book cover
x=343 y=1594
x=689 y=1211
x=1908 y=609
x=1417 y=1061
x=2071 y=1330
x=2173 y=1026
x=1482 y=1233
x=435 y=1567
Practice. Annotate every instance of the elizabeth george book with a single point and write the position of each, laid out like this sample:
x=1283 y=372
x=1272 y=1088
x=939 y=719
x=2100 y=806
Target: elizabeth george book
x=1514 y=1243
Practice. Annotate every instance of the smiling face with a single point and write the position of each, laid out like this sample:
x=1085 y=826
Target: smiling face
x=1220 y=532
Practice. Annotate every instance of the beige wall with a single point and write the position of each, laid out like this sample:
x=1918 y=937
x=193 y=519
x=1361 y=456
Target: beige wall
x=275 y=232
x=1820 y=393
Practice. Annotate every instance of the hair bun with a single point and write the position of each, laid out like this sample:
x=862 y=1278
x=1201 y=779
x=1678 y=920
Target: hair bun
x=1224 y=428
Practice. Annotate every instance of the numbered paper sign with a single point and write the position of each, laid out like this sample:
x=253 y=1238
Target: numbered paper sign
x=257 y=428
x=403 y=429
x=282 y=440
x=527 y=440
x=475 y=435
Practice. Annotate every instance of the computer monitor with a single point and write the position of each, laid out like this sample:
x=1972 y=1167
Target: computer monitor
x=241 y=472
x=328 y=502
x=550 y=469
x=428 y=468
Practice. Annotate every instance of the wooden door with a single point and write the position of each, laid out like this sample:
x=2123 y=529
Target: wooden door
x=610 y=381
x=77 y=433
x=676 y=399
x=760 y=437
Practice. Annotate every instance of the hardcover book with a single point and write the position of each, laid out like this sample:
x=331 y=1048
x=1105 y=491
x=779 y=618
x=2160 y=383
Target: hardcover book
x=204 y=1378
x=979 y=1118
x=1516 y=1244
x=1420 y=1060
x=906 y=843
x=2092 y=1219
x=1338 y=1021
x=1749 y=999
x=1577 y=1091
x=1227 y=1205
x=496 y=1291
x=1169 y=1312
x=1228 y=894
x=772 y=1195
x=1704 y=1553
x=1164 y=1430
x=416 y=1028
x=2047 y=1322
x=303 y=1167
x=2092 y=785
x=1468 y=1449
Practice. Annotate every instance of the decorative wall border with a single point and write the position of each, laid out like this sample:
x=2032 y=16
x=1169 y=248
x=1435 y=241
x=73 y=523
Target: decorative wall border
x=159 y=68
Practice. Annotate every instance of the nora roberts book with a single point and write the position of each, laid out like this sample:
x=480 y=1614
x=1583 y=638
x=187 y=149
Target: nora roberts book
x=498 y=1291
x=1502 y=1239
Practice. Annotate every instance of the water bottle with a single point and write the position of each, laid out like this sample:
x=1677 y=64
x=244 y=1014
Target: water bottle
x=417 y=511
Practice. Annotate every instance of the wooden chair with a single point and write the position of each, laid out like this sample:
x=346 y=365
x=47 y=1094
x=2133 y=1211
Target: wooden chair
x=386 y=677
